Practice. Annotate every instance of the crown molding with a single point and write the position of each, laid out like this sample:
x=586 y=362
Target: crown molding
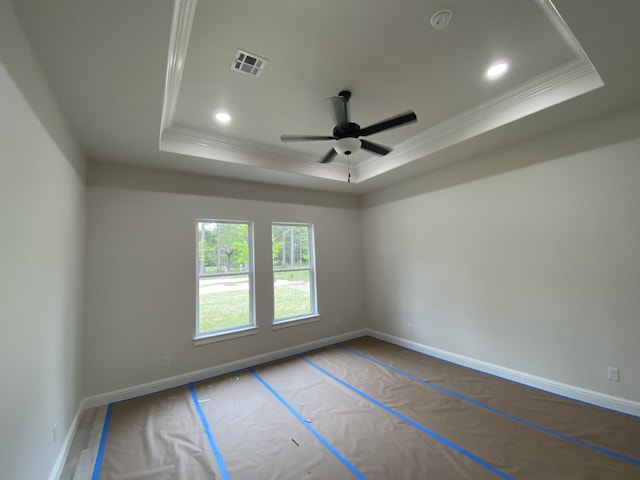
x=183 y=13
x=567 y=81
x=562 y=28
x=570 y=80
x=242 y=152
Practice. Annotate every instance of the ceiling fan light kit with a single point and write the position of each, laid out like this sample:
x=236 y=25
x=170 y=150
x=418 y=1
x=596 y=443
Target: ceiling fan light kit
x=347 y=145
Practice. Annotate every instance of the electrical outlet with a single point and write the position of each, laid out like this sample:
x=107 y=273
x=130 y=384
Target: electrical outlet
x=55 y=432
x=613 y=374
x=166 y=361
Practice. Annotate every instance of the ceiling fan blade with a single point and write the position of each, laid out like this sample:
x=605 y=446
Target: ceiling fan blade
x=403 y=118
x=374 y=147
x=303 y=138
x=329 y=156
x=340 y=110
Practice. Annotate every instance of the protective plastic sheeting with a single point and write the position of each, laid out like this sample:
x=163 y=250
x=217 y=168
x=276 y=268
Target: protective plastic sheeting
x=365 y=409
x=157 y=437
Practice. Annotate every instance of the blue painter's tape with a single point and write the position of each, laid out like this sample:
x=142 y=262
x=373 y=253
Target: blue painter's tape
x=413 y=423
x=575 y=441
x=540 y=389
x=315 y=432
x=103 y=442
x=207 y=429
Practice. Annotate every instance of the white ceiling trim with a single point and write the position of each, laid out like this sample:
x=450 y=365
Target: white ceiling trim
x=572 y=79
x=207 y=145
x=183 y=12
x=567 y=81
x=562 y=28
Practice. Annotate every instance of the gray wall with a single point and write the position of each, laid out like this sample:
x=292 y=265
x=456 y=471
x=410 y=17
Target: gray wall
x=41 y=263
x=535 y=269
x=140 y=276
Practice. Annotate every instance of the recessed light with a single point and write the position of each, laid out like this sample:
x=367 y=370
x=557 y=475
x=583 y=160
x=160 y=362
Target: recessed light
x=223 y=117
x=497 y=70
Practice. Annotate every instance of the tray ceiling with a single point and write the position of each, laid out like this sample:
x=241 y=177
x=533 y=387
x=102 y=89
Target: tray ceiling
x=386 y=53
x=139 y=81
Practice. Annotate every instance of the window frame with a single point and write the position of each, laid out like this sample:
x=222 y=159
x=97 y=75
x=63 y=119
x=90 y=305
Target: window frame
x=248 y=328
x=307 y=317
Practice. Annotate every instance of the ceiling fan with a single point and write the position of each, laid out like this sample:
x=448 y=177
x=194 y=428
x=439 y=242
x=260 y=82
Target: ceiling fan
x=347 y=134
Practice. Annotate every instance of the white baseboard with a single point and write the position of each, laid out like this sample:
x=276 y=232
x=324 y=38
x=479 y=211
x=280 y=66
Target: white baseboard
x=592 y=397
x=195 y=376
x=66 y=444
x=183 y=379
x=576 y=393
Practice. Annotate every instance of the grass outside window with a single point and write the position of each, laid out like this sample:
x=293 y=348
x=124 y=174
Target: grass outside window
x=294 y=293
x=224 y=270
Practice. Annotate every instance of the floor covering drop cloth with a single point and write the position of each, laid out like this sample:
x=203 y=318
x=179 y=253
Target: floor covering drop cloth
x=364 y=409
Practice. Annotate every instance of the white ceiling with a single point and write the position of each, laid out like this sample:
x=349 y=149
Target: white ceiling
x=140 y=80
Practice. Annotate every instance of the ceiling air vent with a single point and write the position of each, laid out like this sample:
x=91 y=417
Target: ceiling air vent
x=248 y=63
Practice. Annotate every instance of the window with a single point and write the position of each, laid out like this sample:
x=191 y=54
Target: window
x=224 y=271
x=294 y=289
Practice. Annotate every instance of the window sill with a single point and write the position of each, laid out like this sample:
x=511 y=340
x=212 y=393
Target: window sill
x=222 y=336
x=296 y=321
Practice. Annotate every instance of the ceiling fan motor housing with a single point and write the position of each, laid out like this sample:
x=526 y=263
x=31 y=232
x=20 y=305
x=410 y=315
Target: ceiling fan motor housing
x=347 y=138
x=345 y=94
x=349 y=129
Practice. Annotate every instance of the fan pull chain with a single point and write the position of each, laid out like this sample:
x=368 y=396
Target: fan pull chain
x=348 y=171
